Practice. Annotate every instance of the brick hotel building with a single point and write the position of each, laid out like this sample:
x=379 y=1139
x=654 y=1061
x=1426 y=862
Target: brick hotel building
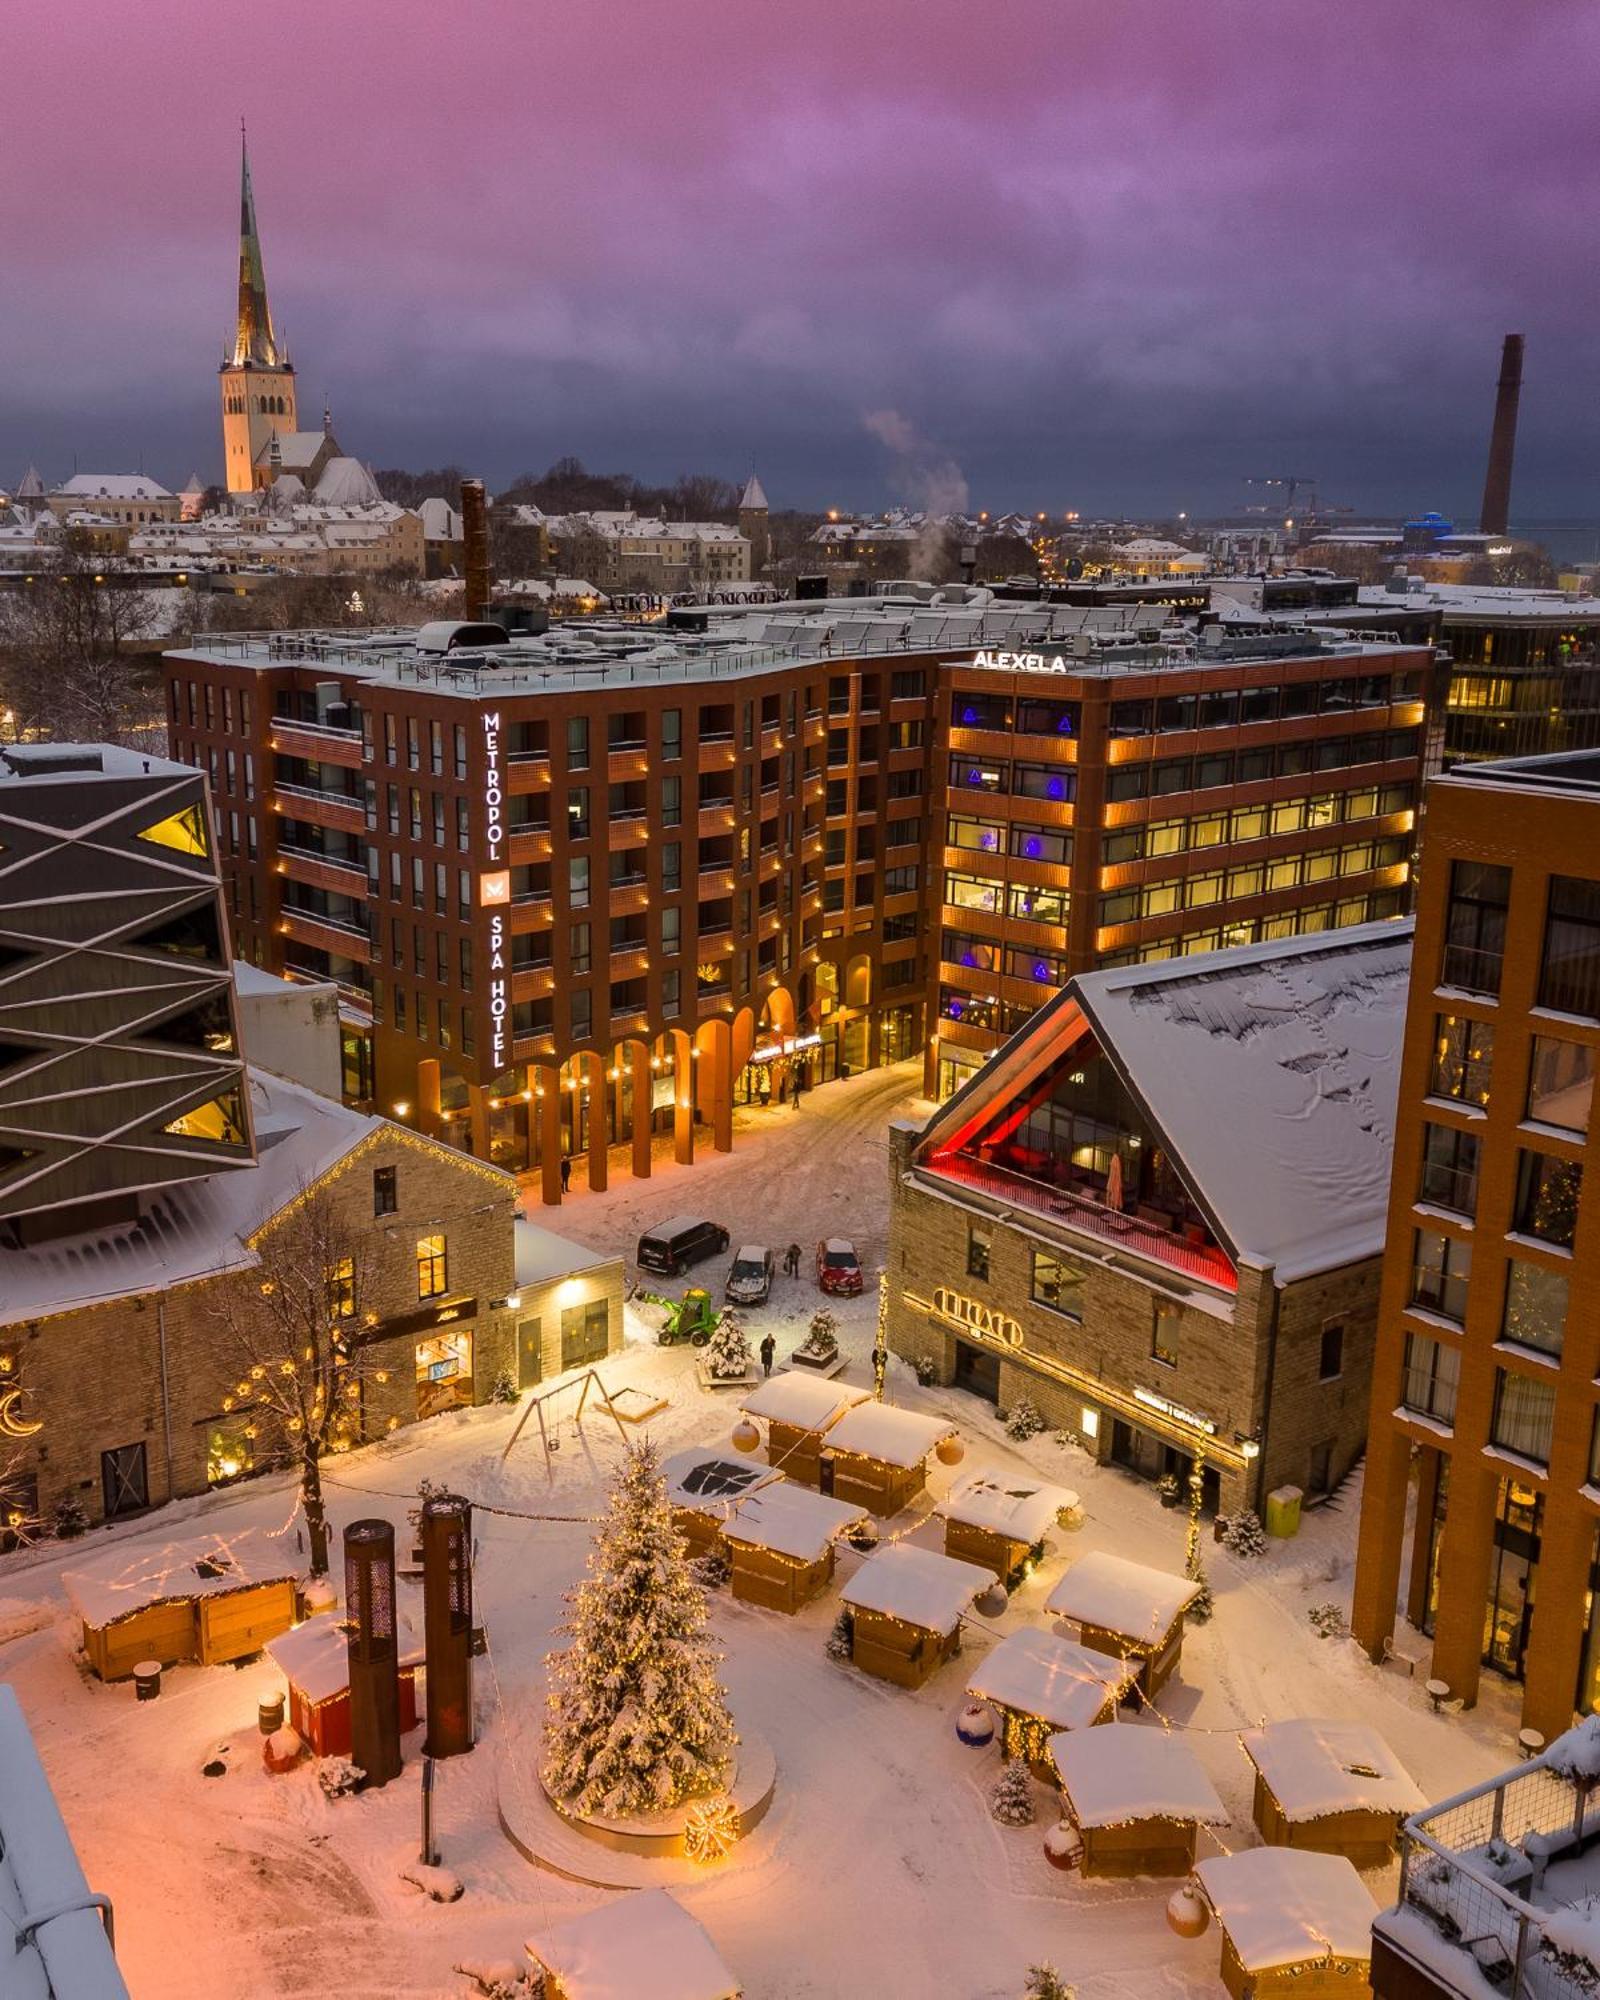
x=584 y=887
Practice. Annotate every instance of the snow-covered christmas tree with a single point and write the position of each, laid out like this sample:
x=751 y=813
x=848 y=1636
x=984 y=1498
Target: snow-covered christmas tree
x=636 y=1720
x=728 y=1354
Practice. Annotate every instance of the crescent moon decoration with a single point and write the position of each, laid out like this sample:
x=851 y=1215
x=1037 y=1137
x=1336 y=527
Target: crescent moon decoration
x=11 y=1425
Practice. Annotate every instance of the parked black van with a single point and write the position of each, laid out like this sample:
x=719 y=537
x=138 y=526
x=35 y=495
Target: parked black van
x=673 y=1246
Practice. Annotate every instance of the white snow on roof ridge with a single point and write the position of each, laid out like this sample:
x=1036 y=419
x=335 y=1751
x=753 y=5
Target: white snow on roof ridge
x=1315 y=1768
x=1281 y=1905
x=1127 y=1771
x=643 y=1943
x=791 y=1520
x=1039 y=1673
x=917 y=1585
x=1121 y=1596
x=892 y=1436
x=807 y=1402
x=1022 y=1509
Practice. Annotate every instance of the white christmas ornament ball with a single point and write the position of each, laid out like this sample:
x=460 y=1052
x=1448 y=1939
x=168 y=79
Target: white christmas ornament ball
x=1186 y=1912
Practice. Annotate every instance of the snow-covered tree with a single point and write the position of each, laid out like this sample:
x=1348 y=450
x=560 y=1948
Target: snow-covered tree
x=636 y=1720
x=1011 y=1799
x=728 y=1353
x=1024 y=1420
x=1045 y=1983
x=822 y=1336
x=1244 y=1534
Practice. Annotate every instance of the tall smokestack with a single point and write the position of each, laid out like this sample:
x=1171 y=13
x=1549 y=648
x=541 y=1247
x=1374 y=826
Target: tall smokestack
x=1496 y=513
x=475 y=546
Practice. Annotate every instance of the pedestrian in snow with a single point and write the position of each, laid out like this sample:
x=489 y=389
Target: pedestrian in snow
x=794 y=1091
x=566 y=1173
x=769 y=1348
x=791 y=1260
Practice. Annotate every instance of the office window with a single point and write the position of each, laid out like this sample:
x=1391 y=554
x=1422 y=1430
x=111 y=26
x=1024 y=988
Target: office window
x=385 y=1190
x=1462 y=1053
x=1524 y=1415
x=413 y=746
x=1569 y=975
x=1432 y=1374
x=980 y=1240
x=1475 y=926
x=1165 y=1317
x=1548 y=1193
x=1440 y=1268
x=580 y=949
x=578 y=813
x=671 y=932
x=672 y=801
x=1330 y=1359
x=1449 y=1169
x=1560 y=1083
x=1536 y=1307
x=672 y=732
x=431 y=1265
x=578 y=882
x=1057 y=1282
x=577 y=743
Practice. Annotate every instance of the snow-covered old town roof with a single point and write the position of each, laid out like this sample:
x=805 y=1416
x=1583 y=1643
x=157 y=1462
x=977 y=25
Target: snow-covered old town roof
x=346 y=482
x=791 y=1521
x=40 y=1875
x=1283 y=1905
x=917 y=1585
x=642 y=1943
x=713 y=1482
x=1127 y=1771
x=1120 y=1596
x=893 y=1437
x=132 y=1576
x=440 y=521
x=1041 y=1674
x=315 y=1657
x=111 y=486
x=542 y=1255
x=807 y=1402
x=1021 y=1509
x=754 y=494
x=1314 y=1769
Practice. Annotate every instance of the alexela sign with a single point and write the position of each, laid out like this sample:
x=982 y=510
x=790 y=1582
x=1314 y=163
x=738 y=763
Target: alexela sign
x=1023 y=663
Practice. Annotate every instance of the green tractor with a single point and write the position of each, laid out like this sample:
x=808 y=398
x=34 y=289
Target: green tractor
x=693 y=1317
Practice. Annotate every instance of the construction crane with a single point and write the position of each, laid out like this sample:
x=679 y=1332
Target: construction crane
x=1290 y=484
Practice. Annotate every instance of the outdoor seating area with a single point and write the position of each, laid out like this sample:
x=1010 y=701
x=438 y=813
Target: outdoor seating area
x=877 y=1455
x=1291 y=1923
x=1127 y=1608
x=1335 y=1787
x=1040 y=1684
x=208 y=1599
x=1137 y=1796
x=798 y=1411
x=906 y=1605
x=781 y=1541
x=1002 y=1523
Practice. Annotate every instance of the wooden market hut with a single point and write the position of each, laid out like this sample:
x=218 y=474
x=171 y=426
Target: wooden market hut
x=704 y=1487
x=1137 y=1796
x=1334 y=1787
x=1002 y=1523
x=1039 y=1683
x=208 y=1599
x=645 y=1942
x=906 y=1606
x=781 y=1540
x=1292 y=1923
x=314 y=1660
x=877 y=1455
x=798 y=1410
x=1124 y=1607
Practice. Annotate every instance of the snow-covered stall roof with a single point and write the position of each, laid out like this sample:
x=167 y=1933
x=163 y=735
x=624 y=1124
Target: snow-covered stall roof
x=40 y=1872
x=642 y=1943
x=134 y=1575
x=1282 y=1905
x=1021 y=1509
x=315 y=1656
x=713 y=1482
x=1125 y=1772
x=1315 y=1768
x=808 y=1402
x=917 y=1585
x=1120 y=1596
x=791 y=1521
x=893 y=1437
x=1041 y=1674
x=542 y=1255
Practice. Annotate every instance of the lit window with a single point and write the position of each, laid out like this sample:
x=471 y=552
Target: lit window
x=342 y=1287
x=221 y=1121
x=430 y=1266
x=184 y=832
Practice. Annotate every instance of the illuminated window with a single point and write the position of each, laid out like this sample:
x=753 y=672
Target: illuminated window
x=342 y=1287
x=221 y=1121
x=430 y=1266
x=184 y=832
x=1164 y=1332
x=1462 y=1053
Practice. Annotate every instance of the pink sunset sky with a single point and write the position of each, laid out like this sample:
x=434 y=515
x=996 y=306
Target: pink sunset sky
x=1106 y=256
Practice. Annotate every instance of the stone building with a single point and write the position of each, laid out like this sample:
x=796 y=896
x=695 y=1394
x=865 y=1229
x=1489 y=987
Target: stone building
x=1158 y=1212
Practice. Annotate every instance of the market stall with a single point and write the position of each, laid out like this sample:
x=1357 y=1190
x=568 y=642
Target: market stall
x=1336 y=1787
x=1124 y=1607
x=208 y=1599
x=878 y=1455
x=1292 y=1923
x=781 y=1540
x=798 y=1411
x=1038 y=1683
x=314 y=1659
x=636 y=1944
x=1002 y=1523
x=906 y=1606
x=704 y=1487
x=1137 y=1796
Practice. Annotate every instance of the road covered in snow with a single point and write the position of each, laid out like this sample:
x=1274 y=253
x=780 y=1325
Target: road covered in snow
x=879 y=1867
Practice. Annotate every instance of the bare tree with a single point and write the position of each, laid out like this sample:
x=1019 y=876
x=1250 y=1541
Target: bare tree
x=296 y=1336
x=75 y=658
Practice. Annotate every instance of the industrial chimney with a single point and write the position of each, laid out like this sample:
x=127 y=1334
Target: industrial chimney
x=1496 y=513
x=475 y=547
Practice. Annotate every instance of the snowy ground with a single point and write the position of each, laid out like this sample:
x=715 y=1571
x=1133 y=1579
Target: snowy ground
x=878 y=1870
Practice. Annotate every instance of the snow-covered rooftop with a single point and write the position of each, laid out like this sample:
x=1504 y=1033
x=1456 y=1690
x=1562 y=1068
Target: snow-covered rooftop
x=111 y=486
x=1514 y=604
x=713 y=1482
x=543 y=1255
x=638 y=1944
x=1315 y=1768
x=917 y=1585
x=807 y=1402
x=1041 y=1674
x=315 y=1656
x=1281 y=1905
x=1120 y=1596
x=893 y=1437
x=791 y=1521
x=1021 y=1509
x=133 y=1575
x=1128 y=1771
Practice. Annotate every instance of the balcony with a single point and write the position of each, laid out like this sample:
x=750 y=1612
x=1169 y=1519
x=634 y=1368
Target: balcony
x=340 y=811
x=317 y=742
x=327 y=933
x=1081 y=1213
x=322 y=871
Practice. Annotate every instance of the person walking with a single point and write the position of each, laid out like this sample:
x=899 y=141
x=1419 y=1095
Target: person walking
x=794 y=1091
x=791 y=1260
x=566 y=1172
x=769 y=1348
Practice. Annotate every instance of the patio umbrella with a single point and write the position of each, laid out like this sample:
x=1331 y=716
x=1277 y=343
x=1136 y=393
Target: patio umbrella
x=1114 y=1183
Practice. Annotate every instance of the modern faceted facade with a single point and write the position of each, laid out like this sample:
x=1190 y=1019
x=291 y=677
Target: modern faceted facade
x=120 y=1069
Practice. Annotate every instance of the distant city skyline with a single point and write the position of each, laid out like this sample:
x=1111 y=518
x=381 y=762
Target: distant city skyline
x=922 y=255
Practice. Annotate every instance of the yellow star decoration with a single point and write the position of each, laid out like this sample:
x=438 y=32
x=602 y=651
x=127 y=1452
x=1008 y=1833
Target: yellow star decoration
x=711 y=1829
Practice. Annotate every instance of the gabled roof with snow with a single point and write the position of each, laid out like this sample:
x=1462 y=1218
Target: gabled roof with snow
x=1314 y=1769
x=296 y=449
x=132 y=1575
x=1116 y=1595
x=791 y=1521
x=110 y=486
x=808 y=1402
x=1041 y=1674
x=917 y=1585
x=1283 y=1905
x=754 y=494
x=315 y=1655
x=643 y=1943
x=1021 y=1509
x=440 y=521
x=893 y=1437
x=346 y=482
x=1126 y=1771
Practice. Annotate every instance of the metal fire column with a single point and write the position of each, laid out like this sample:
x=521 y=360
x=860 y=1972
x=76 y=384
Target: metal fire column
x=447 y=1621
x=374 y=1650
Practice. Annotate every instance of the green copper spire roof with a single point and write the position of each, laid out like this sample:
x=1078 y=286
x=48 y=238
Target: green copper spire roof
x=255 y=344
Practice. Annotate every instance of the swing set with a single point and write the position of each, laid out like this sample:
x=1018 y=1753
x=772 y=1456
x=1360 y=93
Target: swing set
x=622 y=1413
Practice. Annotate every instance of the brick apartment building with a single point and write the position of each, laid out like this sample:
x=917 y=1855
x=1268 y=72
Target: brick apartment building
x=1488 y=1349
x=582 y=888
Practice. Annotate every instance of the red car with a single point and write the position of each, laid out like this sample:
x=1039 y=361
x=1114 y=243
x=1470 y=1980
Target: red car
x=838 y=1266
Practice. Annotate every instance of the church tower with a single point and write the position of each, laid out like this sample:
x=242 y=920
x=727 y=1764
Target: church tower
x=257 y=380
x=754 y=524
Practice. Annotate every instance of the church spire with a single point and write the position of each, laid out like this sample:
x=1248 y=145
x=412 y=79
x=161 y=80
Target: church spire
x=255 y=344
